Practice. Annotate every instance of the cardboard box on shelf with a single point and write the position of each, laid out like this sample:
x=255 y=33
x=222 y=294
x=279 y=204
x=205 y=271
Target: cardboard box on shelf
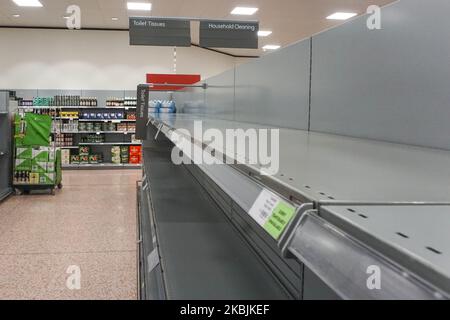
x=135 y=160
x=38 y=166
x=34 y=178
x=52 y=155
x=40 y=154
x=47 y=178
x=84 y=159
x=24 y=153
x=75 y=159
x=135 y=151
x=84 y=151
x=22 y=165
x=50 y=167
x=65 y=156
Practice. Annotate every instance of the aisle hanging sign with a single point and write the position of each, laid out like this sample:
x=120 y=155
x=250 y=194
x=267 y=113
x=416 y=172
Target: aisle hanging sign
x=147 y=31
x=142 y=112
x=229 y=34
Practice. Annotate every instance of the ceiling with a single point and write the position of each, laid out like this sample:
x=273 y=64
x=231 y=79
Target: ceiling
x=290 y=20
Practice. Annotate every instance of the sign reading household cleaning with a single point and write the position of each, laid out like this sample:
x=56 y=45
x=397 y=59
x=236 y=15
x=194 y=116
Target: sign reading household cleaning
x=146 y=31
x=229 y=34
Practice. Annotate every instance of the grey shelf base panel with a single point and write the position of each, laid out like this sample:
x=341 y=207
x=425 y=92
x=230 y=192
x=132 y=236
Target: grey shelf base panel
x=151 y=286
x=326 y=167
x=202 y=255
x=377 y=252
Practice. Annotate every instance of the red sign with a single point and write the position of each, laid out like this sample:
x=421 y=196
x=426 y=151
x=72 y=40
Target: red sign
x=171 y=79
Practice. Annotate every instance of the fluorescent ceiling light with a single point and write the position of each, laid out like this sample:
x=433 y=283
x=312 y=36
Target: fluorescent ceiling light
x=114 y=18
x=66 y=17
x=264 y=33
x=271 y=47
x=244 y=11
x=141 y=6
x=16 y=15
x=341 y=15
x=28 y=3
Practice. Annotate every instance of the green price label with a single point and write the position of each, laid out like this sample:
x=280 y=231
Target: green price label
x=279 y=219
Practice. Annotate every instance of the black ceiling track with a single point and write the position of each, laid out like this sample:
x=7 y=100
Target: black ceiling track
x=118 y=29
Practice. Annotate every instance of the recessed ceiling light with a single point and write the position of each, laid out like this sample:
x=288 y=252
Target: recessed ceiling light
x=341 y=15
x=16 y=15
x=271 y=47
x=244 y=11
x=262 y=33
x=141 y=6
x=114 y=18
x=28 y=3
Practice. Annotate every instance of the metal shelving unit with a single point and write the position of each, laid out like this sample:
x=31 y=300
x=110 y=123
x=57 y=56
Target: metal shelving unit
x=214 y=261
x=346 y=191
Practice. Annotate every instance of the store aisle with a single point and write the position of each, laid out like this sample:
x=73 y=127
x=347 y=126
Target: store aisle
x=89 y=226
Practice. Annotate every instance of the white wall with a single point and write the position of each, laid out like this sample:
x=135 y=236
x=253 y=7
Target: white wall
x=84 y=59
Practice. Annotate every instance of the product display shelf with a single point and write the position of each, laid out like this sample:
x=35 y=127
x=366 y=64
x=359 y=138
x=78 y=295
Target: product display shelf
x=112 y=138
x=324 y=169
x=21 y=187
x=214 y=261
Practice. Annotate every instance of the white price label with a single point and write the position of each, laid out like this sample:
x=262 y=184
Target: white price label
x=263 y=207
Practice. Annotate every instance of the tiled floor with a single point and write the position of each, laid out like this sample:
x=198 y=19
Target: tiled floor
x=90 y=224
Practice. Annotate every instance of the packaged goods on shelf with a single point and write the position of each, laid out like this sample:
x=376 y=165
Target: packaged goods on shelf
x=134 y=140
x=95 y=158
x=124 y=154
x=121 y=102
x=22 y=177
x=131 y=115
x=88 y=102
x=69 y=114
x=50 y=167
x=24 y=152
x=65 y=156
x=34 y=178
x=112 y=115
x=25 y=103
x=97 y=126
x=109 y=126
x=93 y=138
x=64 y=139
x=122 y=127
x=130 y=101
x=83 y=150
x=135 y=151
x=84 y=159
x=131 y=127
x=38 y=166
x=75 y=159
x=47 y=178
x=168 y=107
x=52 y=154
x=115 y=155
x=22 y=165
x=135 y=160
x=70 y=126
x=40 y=154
